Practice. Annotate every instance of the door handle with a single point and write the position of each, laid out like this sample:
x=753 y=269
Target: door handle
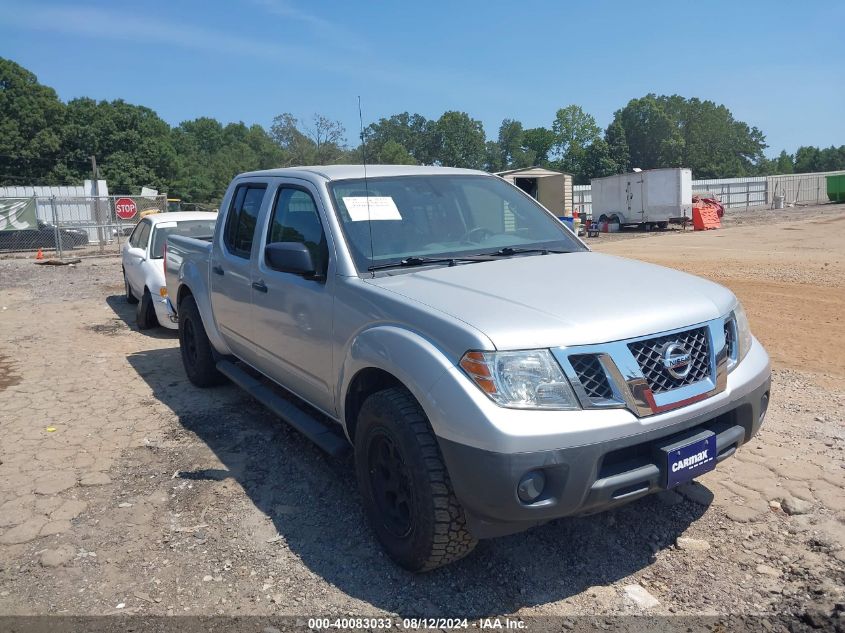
x=217 y=270
x=259 y=285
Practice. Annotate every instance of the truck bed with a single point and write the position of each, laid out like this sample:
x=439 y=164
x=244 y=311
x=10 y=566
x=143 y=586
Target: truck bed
x=188 y=256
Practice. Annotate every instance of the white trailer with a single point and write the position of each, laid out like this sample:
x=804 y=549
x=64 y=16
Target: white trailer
x=653 y=197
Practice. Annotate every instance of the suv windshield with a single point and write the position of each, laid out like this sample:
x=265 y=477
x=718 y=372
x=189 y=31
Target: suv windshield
x=442 y=216
x=200 y=229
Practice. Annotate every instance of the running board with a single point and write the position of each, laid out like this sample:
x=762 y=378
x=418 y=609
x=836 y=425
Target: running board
x=315 y=430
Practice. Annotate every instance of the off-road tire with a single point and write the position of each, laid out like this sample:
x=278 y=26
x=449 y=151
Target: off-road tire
x=438 y=534
x=130 y=298
x=145 y=312
x=195 y=348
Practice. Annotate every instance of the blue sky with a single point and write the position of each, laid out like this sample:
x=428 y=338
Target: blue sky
x=777 y=65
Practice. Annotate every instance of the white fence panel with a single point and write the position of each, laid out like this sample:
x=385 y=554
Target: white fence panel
x=735 y=192
x=756 y=191
x=801 y=188
x=582 y=199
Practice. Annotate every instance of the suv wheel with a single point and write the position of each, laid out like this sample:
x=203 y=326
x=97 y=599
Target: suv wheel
x=195 y=348
x=407 y=493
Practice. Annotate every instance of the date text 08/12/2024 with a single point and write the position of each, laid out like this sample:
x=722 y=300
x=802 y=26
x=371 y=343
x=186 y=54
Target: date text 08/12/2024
x=415 y=623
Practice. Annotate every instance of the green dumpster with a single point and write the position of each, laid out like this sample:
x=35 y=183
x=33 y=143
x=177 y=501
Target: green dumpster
x=836 y=188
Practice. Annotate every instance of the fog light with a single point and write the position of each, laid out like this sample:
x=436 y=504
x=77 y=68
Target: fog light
x=764 y=405
x=531 y=486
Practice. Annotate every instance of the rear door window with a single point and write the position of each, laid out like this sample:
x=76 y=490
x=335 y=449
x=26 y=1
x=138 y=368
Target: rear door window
x=239 y=232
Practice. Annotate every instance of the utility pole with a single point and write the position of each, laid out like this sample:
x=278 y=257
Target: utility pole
x=98 y=211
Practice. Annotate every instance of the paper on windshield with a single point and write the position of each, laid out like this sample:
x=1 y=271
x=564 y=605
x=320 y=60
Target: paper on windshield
x=165 y=225
x=379 y=208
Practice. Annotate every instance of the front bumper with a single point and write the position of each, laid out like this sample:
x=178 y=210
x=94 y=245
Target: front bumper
x=166 y=318
x=586 y=471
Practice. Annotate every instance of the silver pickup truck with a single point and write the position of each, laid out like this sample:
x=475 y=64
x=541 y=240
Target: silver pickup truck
x=439 y=321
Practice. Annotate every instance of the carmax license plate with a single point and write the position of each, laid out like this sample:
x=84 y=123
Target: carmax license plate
x=690 y=460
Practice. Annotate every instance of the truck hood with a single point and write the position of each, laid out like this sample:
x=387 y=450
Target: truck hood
x=563 y=299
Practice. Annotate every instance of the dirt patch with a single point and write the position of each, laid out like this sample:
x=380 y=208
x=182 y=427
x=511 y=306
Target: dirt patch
x=8 y=377
x=816 y=336
x=793 y=288
x=116 y=326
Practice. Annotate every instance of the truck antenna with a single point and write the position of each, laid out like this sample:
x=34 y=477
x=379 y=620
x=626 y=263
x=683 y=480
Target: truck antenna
x=366 y=184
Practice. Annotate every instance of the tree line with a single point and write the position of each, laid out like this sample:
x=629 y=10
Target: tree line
x=44 y=140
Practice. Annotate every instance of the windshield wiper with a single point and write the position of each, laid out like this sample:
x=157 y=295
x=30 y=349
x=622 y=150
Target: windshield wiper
x=507 y=251
x=422 y=261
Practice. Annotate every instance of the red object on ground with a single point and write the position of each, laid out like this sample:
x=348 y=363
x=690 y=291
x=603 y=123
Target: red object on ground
x=698 y=201
x=704 y=218
x=706 y=213
x=125 y=208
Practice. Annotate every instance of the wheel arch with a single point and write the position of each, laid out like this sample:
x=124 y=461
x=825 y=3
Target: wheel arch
x=203 y=302
x=378 y=359
x=183 y=292
x=364 y=384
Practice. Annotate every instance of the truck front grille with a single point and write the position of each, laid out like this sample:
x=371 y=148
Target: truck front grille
x=649 y=356
x=591 y=375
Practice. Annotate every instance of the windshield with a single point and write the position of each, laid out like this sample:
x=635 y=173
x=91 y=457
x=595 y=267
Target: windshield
x=441 y=217
x=201 y=229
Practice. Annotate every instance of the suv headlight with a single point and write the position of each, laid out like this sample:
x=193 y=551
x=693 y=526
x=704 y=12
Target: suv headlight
x=529 y=379
x=742 y=336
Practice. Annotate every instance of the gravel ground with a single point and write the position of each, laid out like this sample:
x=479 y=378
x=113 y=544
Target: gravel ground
x=123 y=489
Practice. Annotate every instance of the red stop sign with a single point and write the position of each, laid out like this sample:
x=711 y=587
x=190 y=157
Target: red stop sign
x=125 y=208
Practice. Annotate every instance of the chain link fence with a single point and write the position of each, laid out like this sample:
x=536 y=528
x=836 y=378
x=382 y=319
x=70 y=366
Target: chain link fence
x=72 y=226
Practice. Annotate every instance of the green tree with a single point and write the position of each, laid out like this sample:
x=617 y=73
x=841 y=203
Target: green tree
x=460 y=141
x=652 y=136
x=540 y=141
x=321 y=143
x=671 y=131
x=132 y=144
x=807 y=159
x=329 y=139
x=31 y=121
x=209 y=155
x=413 y=132
x=596 y=162
x=493 y=161
x=392 y=153
x=831 y=159
x=715 y=143
x=513 y=152
x=617 y=146
x=574 y=130
x=784 y=164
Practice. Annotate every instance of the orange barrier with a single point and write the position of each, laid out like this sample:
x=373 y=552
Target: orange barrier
x=704 y=218
x=698 y=201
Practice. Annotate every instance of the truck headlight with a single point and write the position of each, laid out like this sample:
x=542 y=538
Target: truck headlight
x=520 y=380
x=742 y=342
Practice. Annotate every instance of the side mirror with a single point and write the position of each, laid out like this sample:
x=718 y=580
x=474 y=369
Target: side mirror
x=290 y=257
